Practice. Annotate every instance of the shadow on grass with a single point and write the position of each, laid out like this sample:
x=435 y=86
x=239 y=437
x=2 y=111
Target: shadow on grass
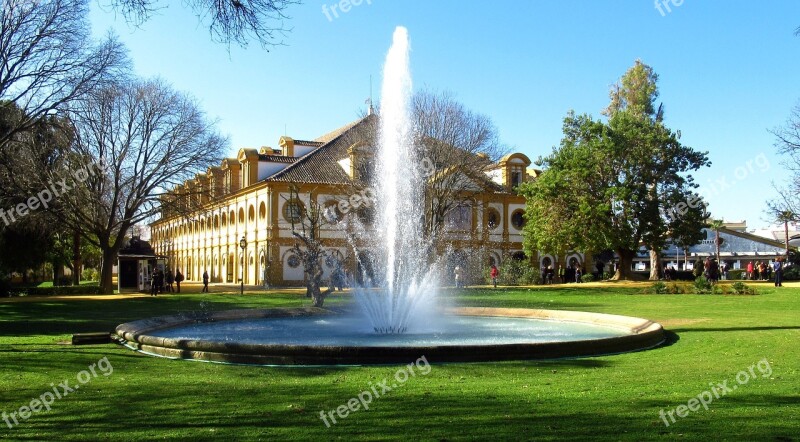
x=735 y=329
x=80 y=316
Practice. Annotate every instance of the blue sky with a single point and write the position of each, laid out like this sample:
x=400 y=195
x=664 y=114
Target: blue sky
x=728 y=72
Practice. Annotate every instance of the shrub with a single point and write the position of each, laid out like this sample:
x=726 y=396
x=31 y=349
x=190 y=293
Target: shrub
x=58 y=290
x=5 y=287
x=63 y=281
x=679 y=289
x=516 y=272
x=792 y=273
x=702 y=286
x=587 y=278
x=684 y=275
x=658 y=288
x=740 y=288
x=737 y=274
x=89 y=274
x=607 y=276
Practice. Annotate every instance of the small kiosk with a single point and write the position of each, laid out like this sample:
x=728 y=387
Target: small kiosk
x=136 y=262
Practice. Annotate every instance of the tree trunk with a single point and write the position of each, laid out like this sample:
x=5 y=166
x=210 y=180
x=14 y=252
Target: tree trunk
x=624 y=272
x=107 y=269
x=656 y=272
x=313 y=290
x=786 y=233
x=76 y=258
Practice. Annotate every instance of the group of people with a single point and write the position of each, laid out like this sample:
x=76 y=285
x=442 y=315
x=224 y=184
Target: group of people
x=161 y=281
x=573 y=273
x=759 y=271
x=762 y=271
x=756 y=271
x=711 y=270
x=670 y=273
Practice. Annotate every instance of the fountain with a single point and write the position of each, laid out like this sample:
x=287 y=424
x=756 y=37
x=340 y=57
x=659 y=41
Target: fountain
x=402 y=320
x=410 y=282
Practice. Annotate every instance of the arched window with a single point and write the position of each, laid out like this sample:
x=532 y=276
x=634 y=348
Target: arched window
x=518 y=219
x=293 y=210
x=331 y=212
x=459 y=217
x=492 y=218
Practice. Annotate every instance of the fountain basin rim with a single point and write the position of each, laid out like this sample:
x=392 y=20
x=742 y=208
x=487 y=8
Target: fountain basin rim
x=641 y=334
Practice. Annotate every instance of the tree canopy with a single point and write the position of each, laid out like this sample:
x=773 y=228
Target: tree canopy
x=788 y=144
x=133 y=142
x=616 y=184
x=228 y=21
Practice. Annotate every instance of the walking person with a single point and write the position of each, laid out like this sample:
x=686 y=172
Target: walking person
x=578 y=274
x=205 y=282
x=160 y=281
x=153 y=287
x=561 y=275
x=750 y=269
x=494 y=273
x=457 y=274
x=170 y=278
x=777 y=268
x=178 y=279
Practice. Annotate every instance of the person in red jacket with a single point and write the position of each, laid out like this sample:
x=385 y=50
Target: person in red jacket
x=750 y=270
x=493 y=273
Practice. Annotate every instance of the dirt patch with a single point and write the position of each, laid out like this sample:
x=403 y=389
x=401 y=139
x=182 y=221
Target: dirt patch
x=678 y=322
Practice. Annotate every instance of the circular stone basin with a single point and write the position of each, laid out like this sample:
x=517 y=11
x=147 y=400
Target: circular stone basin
x=322 y=337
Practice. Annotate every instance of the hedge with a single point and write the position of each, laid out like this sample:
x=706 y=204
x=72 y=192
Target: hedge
x=50 y=291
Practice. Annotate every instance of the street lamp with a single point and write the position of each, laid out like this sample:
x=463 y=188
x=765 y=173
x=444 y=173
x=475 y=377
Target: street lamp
x=168 y=252
x=265 y=257
x=243 y=245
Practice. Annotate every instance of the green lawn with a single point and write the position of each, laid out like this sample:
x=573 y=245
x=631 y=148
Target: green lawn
x=619 y=397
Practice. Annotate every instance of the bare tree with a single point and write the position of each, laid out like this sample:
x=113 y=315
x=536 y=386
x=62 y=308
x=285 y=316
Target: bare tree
x=788 y=144
x=786 y=217
x=459 y=148
x=47 y=59
x=229 y=21
x=134 y=141
x=306 y=225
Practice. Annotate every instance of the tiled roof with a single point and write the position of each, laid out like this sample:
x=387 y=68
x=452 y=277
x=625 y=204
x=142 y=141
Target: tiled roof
x=321 y=165
x=277 y=159
x=308 y=143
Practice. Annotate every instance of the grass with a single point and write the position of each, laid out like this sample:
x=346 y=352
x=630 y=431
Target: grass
x=713 y=338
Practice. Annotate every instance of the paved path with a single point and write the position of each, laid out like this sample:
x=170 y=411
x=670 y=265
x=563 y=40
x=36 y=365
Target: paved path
x=218 y=288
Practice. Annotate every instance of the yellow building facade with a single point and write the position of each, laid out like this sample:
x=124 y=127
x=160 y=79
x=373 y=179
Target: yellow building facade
x=250 y=197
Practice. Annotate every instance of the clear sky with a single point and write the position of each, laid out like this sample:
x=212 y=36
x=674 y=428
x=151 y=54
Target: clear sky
x=728 y=72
